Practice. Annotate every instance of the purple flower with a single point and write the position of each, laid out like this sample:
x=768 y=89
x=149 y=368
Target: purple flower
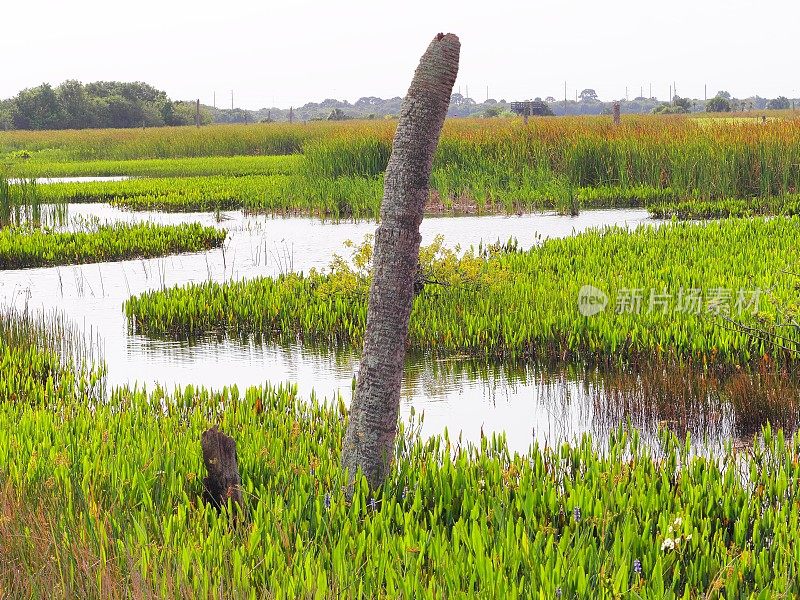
x=576 y=514
x=327 y=501
x=373 y=505
x=637 y=566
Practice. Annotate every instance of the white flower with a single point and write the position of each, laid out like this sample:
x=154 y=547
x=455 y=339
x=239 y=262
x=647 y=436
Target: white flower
x=668 y=544
x=678 y=522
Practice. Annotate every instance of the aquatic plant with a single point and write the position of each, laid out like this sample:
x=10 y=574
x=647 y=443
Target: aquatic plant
x=46 y=361
x=24 y=248
x=21 y=204
x=520 y=304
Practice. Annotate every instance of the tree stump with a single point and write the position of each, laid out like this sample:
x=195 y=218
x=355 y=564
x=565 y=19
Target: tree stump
x=223 y=481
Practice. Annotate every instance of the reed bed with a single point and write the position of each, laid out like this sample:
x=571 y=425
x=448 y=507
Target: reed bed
x=21 y=204
x=721 y=209
x=360 y=197
x=489 y=157
x=26 y=248
x=104 y=501
x=46 y=360
x=519 y=304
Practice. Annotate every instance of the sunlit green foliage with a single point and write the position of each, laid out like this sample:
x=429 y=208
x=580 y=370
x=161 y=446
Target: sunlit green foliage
x=46 y=361
x=514 y=304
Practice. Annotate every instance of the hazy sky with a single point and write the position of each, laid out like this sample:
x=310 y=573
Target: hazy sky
x=287 y=53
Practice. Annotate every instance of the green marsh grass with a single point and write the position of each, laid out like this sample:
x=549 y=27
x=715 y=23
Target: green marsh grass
x=26 y=248
x=22 y=204
x=522 y=304
x=105 y=500
x=721 y=209
x=489 y=158
x=102 y=499
x=46 y=361
x=162 y=142
x=343 y=197
x=493 y=165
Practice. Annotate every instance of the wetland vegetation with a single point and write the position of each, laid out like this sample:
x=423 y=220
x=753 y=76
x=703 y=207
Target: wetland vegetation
x=102 y=488
x=482 y=166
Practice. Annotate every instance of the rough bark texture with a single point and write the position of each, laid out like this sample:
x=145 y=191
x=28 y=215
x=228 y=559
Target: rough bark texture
x=223 y=481
x=369 y=442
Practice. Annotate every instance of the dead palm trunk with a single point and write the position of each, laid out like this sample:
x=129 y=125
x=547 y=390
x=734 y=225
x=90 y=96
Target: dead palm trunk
x=369 y=442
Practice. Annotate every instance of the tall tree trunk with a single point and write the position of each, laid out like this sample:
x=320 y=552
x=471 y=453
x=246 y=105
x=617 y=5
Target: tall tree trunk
x=369 y=441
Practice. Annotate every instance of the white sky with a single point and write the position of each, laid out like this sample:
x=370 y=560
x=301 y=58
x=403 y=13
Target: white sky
x=288 y=53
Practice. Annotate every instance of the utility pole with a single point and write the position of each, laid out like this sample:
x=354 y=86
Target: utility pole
x=291 y=114
x=565 y=98
x=626 y=92
x=670 y=95
x=197 y=113
x=705 y=92
x=651 y=90
x=215 y=99
x=231 y=99
x=487 y=93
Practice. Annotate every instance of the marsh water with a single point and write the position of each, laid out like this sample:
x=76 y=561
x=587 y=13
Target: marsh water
x=526 y=402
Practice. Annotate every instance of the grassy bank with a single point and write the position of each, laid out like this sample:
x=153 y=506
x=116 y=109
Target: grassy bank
x=23 y=247
x=101 y=501
x=360 y=197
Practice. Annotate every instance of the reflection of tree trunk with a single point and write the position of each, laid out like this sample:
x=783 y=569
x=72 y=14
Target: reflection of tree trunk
x=369 y=442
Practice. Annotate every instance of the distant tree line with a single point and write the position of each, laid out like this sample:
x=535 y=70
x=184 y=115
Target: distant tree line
x=74 y=105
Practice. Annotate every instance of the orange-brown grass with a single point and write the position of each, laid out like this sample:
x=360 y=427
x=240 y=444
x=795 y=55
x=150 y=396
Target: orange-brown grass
x=41 y=559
